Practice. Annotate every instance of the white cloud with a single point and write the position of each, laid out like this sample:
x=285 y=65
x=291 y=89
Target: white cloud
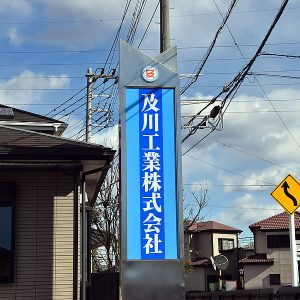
x=247 y=210
x=257 y=180
x=80 y=9
x=27 y=88
x=107 y=137
x=252 y=126
x=85 y=34
x=14 y=37
x=17 y=8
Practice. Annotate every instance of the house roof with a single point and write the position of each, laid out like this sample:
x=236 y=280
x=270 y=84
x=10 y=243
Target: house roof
x=212 y=226
x=27 y=120
x=25 y=148
x=201 y=262
x=18 y=143
x=258 y=258
x=25 y=116
x=277 y=222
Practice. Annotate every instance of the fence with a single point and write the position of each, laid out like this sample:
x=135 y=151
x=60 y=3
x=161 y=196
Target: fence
x=104 y=286
x=261 y=294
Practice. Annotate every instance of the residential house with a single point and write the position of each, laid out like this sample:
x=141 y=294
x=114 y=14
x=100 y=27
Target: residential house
x=270 y=266
x=43 y=178
x=202 y=241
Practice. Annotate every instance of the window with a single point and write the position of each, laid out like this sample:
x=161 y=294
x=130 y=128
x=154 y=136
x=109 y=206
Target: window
x=278 y=241
x=7 y=212
x=226 y=244
x=274 y=279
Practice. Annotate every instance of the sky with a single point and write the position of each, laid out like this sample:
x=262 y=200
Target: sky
x=46 y=47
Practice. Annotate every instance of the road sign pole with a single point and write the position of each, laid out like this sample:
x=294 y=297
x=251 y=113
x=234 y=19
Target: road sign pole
x=294 y=263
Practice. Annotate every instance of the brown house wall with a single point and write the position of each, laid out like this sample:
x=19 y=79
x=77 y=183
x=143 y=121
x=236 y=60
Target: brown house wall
x=44 y=237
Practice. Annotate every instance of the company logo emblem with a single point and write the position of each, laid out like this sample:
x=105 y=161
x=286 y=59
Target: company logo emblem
x=150 y=74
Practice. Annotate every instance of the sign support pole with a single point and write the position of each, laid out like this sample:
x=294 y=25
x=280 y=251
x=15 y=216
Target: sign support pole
x=294 y=264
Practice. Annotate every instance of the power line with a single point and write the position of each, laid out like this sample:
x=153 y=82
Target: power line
x=280 y=55
x=230 y=171
x=274 y=75
x=103 y=20
x=230 y=185
x=51 y=64
x=148 y=24
x=232 y=88
x=252 y=155
x=197 y=101
x=143 y=49
x=130 y=38
x=243 y=207
x=201 y=65
x=110 y=51
x=247 y=85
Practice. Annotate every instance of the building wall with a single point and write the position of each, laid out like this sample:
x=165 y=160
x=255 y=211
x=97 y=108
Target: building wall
x=257 y=276
x=202 y=242
x=260 y=241
x=195 y=280
x=217 y=236
x=44 y=237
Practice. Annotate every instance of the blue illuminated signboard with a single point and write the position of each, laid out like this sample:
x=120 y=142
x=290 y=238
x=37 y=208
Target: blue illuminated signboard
x=151 y=174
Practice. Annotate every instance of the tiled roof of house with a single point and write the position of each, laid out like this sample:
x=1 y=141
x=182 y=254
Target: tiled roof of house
x=258 y=258
x=201 y=262
x=277 y=222
x=209 y=226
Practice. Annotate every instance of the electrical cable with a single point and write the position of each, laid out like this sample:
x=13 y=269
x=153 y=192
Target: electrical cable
x=148 y=25
x=69 y=99
x=230 y=171
x=201 y=65
x=259 y=84
x=234 y=85
x=253 y=155
x=280 y=55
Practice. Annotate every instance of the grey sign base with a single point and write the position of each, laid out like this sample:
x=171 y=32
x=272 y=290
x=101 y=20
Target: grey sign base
x=152 y=281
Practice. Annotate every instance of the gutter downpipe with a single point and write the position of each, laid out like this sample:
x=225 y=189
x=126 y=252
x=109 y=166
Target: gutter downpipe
x=75 y=236
x=84 y=229
x=83 y=240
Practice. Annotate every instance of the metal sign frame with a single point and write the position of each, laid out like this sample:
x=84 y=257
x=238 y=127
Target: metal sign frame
x=158 y=278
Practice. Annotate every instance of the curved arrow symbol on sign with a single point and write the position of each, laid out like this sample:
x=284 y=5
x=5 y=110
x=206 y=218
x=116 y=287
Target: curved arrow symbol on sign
x=285 y=187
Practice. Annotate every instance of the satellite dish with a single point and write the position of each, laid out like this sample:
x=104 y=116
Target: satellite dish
x=221 y=262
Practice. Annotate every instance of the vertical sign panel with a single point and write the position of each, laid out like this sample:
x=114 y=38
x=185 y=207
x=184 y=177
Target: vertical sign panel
x=151 y=174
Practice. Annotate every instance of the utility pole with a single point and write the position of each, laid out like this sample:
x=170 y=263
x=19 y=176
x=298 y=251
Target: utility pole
x=164 y=26
x=88 y=120
x=90 y=79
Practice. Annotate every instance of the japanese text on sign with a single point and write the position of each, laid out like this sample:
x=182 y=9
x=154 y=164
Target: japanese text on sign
x=151 y=170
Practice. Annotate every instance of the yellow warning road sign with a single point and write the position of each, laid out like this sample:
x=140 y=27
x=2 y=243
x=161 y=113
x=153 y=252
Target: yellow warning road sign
x=287 y=194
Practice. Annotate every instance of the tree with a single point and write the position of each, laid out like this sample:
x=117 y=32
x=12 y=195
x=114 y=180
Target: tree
x=105 y=223
x=194 y=201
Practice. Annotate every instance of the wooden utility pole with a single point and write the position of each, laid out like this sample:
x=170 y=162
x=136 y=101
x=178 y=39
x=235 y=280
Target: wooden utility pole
x=164 y=26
